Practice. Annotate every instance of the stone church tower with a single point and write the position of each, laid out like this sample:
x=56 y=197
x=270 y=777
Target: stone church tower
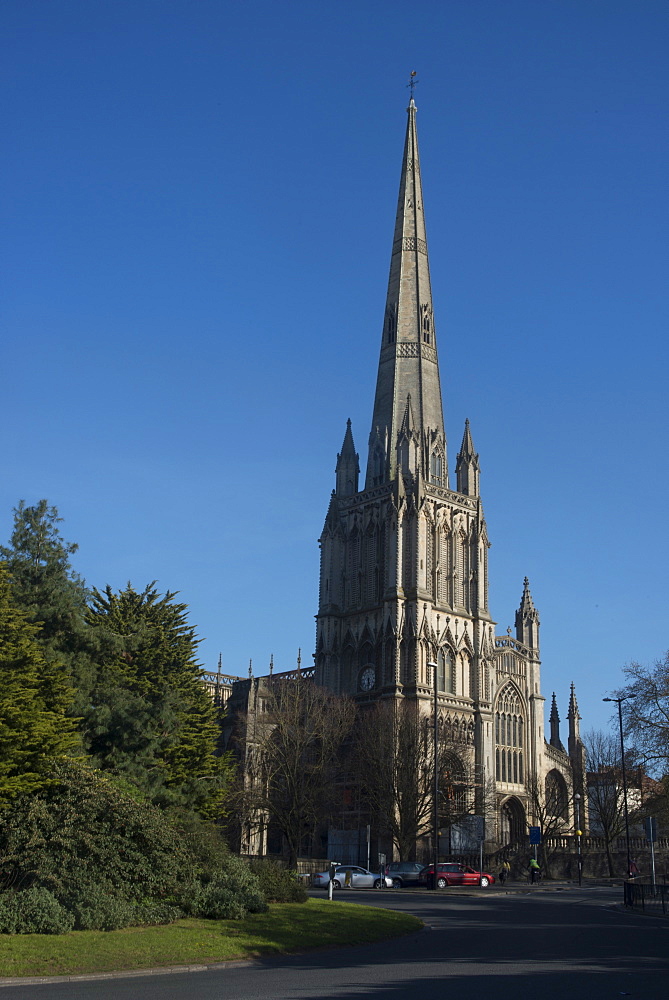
x=404 y=560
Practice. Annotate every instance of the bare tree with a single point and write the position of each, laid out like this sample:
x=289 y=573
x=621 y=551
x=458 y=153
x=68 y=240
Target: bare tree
x=294 y=757
x=605 y=789
x=656 y=802
x=549 y=804
x=393 y=757
x=646 y=712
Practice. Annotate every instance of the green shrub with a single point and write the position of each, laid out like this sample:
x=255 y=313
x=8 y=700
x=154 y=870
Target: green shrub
x=97 y=907
x=218 y=902
x=33 y=911
x=234 y=892
x=111 y=913
x=204 y=842
x=278 y=884
x=109 y=861
x=83 y=830
x=153 y=912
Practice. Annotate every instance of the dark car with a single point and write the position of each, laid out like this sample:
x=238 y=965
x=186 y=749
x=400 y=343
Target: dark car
x=453 y=873
x=405 y=873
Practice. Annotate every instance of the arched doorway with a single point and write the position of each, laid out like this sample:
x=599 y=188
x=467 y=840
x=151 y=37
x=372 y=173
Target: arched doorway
x=513 y=826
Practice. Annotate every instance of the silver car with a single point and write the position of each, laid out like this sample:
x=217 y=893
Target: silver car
x=350 y=876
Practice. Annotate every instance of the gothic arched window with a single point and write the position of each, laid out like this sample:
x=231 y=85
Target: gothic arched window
x=391 y=325
x=427 y=322
x=462 y=569
x=445 y=667
x=444 y=557
x=378 y=466
x=509 y=736
x=370 y=564
x=436 y=467
x=557 y=798
x=353 y=568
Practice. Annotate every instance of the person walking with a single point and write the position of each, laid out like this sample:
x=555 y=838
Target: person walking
x=504 y=871
x=535 y=870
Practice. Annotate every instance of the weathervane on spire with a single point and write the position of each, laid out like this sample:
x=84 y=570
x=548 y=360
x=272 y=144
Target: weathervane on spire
x=412 y=82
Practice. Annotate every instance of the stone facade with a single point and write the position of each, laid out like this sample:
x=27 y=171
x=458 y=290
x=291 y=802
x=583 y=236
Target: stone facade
x=403 y=603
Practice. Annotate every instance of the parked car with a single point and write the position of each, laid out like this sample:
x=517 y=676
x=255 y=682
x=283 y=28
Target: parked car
x=405 y=873
x=360 y=878
x=453 y=873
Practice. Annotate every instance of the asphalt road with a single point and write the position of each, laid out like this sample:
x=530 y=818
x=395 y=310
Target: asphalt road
x=543 y=943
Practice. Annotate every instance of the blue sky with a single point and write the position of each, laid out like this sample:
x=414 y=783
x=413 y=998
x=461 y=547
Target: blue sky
x=197 y=213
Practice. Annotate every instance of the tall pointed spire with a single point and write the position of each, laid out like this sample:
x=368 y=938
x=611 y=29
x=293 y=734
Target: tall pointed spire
x=573 y=717
x=577 y=751
x=555 y=740
x=467 y=468
x=408 y=364
x=527 y=619
x=348 y=469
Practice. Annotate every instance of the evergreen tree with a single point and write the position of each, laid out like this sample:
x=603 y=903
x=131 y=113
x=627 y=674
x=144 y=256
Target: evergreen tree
x=50 y=592
x=151 y=718
x=34 y=697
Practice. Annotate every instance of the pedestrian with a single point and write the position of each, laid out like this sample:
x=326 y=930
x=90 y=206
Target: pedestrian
x=535 y=870
x=634 y=870
x=504 y=871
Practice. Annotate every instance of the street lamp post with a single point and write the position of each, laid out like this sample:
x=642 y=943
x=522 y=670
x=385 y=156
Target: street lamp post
x=577 y=801
x=619 y=702
x=436 y=774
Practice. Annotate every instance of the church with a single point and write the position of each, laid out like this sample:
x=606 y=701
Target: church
x=404 y=617
x=404 y=612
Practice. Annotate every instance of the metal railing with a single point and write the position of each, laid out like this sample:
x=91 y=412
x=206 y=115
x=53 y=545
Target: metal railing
x=592 y=843
x=647 y=897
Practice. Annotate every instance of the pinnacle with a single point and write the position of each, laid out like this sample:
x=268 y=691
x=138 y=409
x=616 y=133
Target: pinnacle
x=526 y=599
x=408 y=423
x=467 y=447
x=348 y=447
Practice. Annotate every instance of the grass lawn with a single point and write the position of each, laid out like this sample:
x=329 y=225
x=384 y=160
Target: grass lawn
x=319 y=923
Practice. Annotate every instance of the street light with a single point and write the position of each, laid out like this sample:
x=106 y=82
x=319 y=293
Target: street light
x=619 y=702
x=436 y=774
x=577 y=801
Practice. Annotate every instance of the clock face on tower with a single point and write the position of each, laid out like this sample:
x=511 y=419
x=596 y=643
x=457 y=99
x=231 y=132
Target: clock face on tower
x=368 y=678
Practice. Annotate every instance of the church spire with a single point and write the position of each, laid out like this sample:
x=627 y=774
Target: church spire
x=555 y=740
x=408 y=364
x=527 y=619
x=467 y=469
x=347 y=466
x=574 y=719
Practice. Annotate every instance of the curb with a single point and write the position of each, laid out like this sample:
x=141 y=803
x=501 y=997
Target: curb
x=162 y=970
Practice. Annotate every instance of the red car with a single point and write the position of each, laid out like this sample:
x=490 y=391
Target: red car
x=452 y=873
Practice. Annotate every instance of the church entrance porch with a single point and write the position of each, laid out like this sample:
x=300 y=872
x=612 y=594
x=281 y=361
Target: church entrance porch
x=512 y=822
